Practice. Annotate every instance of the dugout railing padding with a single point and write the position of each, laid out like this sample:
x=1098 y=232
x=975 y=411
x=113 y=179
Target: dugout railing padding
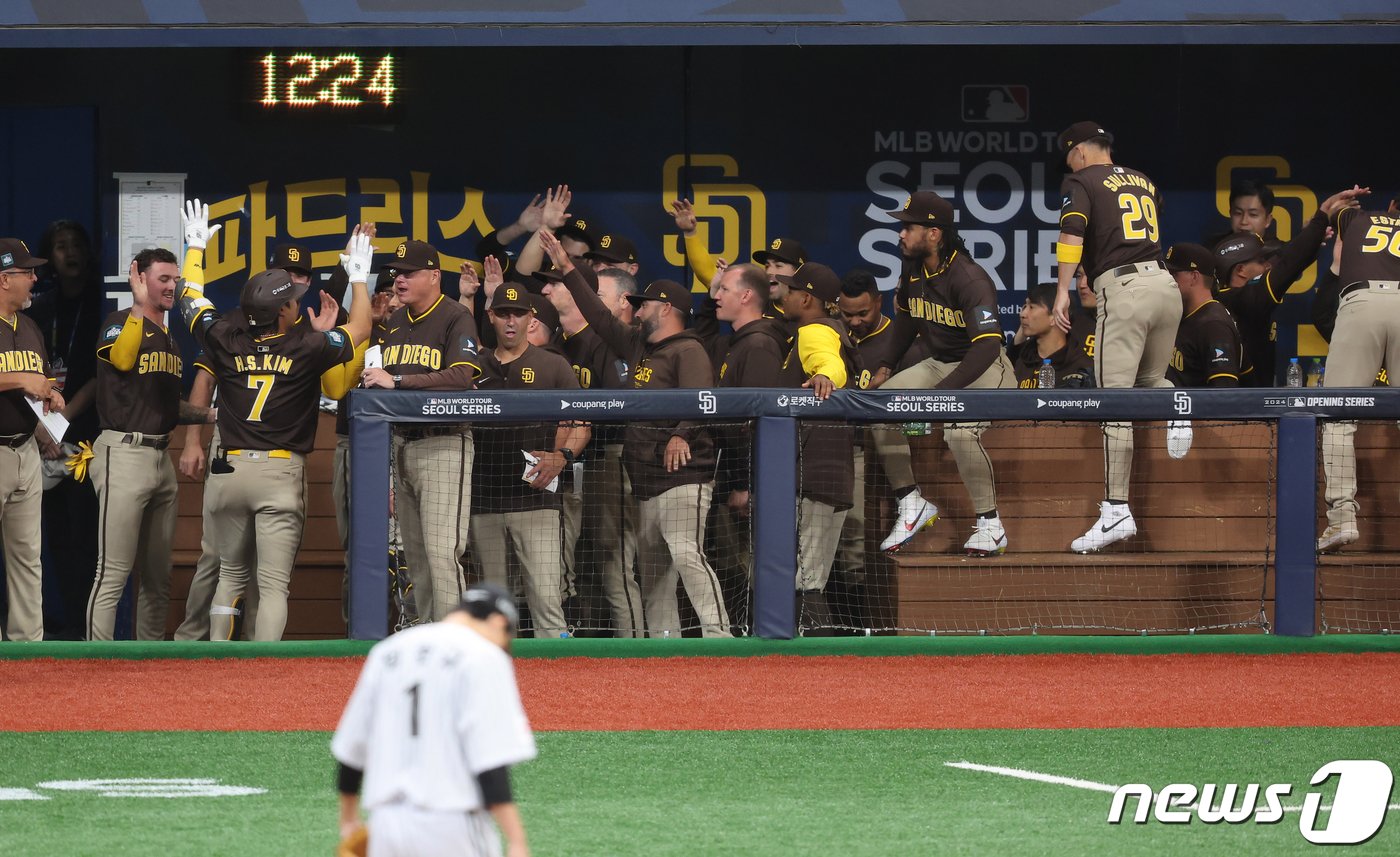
x=776 y=414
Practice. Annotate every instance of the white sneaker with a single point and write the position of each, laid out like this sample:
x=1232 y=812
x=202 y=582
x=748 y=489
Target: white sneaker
x=914 y=513
x=1115 y=523
x=1335 y=538
x=1178 y=438
x=988 y=538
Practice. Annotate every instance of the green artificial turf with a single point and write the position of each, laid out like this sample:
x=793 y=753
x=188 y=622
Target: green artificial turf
x=1251 y=644
x=700 y=793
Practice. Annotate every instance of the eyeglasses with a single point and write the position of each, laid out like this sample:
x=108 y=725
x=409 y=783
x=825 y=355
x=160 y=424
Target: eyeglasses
x=26 y=272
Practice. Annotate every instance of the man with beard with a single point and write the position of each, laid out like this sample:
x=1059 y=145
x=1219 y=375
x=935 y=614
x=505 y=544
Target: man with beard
x=670 y=464
x=948 y=299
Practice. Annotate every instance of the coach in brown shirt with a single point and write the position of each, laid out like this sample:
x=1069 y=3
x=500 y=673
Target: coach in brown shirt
x=24 y=376
x=671 y=464
x=430 y=344
x=514 y=510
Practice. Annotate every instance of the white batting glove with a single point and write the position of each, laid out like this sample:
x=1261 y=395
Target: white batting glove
x=194 y=217
x=357 y=258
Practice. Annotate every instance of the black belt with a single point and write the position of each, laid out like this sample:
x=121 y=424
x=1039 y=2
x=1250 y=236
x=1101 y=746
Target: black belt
x=153 y=441
x=1135 y=268
x=432 y=431
x=14 y=441
x=1386 y=285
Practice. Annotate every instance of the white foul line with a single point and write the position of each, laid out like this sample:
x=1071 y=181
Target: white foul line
x=1087 y=785
x=1033 y=775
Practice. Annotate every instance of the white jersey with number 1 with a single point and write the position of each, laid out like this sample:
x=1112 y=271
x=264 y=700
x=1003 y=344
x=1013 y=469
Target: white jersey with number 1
x=435 y=706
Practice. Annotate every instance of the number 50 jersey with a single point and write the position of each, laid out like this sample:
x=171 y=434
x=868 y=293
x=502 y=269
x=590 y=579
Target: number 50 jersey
x=269 y=386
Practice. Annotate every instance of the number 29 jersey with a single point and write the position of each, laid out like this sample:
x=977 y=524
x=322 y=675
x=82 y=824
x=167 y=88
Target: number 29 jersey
x=1115 y=210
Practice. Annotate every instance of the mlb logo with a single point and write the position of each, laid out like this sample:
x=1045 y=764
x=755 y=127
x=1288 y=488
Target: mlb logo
x=996 y=103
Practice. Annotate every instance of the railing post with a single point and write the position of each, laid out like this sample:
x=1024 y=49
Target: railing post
x=369 y=533
x=775 y=528
x=1295 y=555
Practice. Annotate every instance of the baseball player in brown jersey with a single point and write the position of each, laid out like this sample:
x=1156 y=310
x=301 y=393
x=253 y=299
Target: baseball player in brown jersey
x=1109 y=225
x=1366 y=338
x=139 y=375
x=269 y=382
x=671 y=465
x=25 y=376
x=431 y=344
x=948 y=299
x=1252 y=286
x=823 y=357
x=509 y=514
x=1038 y=339
x=1208 y=351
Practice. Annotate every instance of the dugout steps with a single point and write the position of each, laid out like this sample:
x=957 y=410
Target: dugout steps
x=1166 y=644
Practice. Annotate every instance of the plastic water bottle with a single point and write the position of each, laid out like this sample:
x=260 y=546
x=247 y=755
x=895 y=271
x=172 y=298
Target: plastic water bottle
x=917 y=429
x=1294 y=378
x=1045 y=378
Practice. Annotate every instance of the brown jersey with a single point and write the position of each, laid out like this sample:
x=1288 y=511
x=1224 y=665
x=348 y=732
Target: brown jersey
x=951 y=307
x=269 y=386
x=21 y=350
x=146 y=397
x=442 y=338
x=342 y=408
x=498 y=465
x=825 y=462
x=1073 y=363
x=1370 y=245
x=1115 y=210
x=755 y=355
x=595 y=365
x=1208 y=352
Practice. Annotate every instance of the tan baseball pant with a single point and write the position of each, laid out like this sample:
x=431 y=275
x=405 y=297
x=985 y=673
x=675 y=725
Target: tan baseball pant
x=1139 y=312
x=612 y=515
x=433 y=498
x=206 y=571
x=21 y=512
x=818 y=532
x=670 y=545
x=534 y=538
x=1366 y=338
x=136 y=501
x=964 y=439
x=261 y=508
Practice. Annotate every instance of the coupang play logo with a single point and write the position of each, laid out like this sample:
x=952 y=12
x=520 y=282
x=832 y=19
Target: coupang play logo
x=1357 y=812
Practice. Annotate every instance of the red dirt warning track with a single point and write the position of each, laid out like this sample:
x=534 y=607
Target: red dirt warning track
x=775 y=692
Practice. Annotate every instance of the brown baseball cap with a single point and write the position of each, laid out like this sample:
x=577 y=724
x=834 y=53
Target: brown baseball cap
x=14 y=254
x=788 y=250
x=816 y=279
x=667 y=291
x=412 y=256
x=1236 y=249
x=385 y=281
x=926 y=208
x=1081 y=131
x=511 y=296
x=544 y=311
x=291 y=257
x=265 y=294
x=577 y=227
x=1191 y=257
x=554 y=275
x=612 y=247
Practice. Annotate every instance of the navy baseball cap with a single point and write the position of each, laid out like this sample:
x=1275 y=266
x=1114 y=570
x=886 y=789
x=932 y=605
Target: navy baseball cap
x=481 y=600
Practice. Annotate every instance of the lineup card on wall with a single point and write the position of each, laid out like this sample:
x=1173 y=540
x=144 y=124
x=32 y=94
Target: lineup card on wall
x=148 y=214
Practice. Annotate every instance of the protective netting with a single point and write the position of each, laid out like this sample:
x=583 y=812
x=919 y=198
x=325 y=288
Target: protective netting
x=1357 y=581
x=616 y=543
x=1200 y=559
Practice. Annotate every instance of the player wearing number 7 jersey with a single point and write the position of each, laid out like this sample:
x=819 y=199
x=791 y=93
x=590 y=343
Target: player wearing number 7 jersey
x=270 y=379
x=1109 y=225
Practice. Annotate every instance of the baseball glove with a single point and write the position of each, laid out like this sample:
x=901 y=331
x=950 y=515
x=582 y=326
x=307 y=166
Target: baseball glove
x=354 y=845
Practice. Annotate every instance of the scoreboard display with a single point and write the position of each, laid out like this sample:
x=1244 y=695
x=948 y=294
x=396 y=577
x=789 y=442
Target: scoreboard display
x=354 y=85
